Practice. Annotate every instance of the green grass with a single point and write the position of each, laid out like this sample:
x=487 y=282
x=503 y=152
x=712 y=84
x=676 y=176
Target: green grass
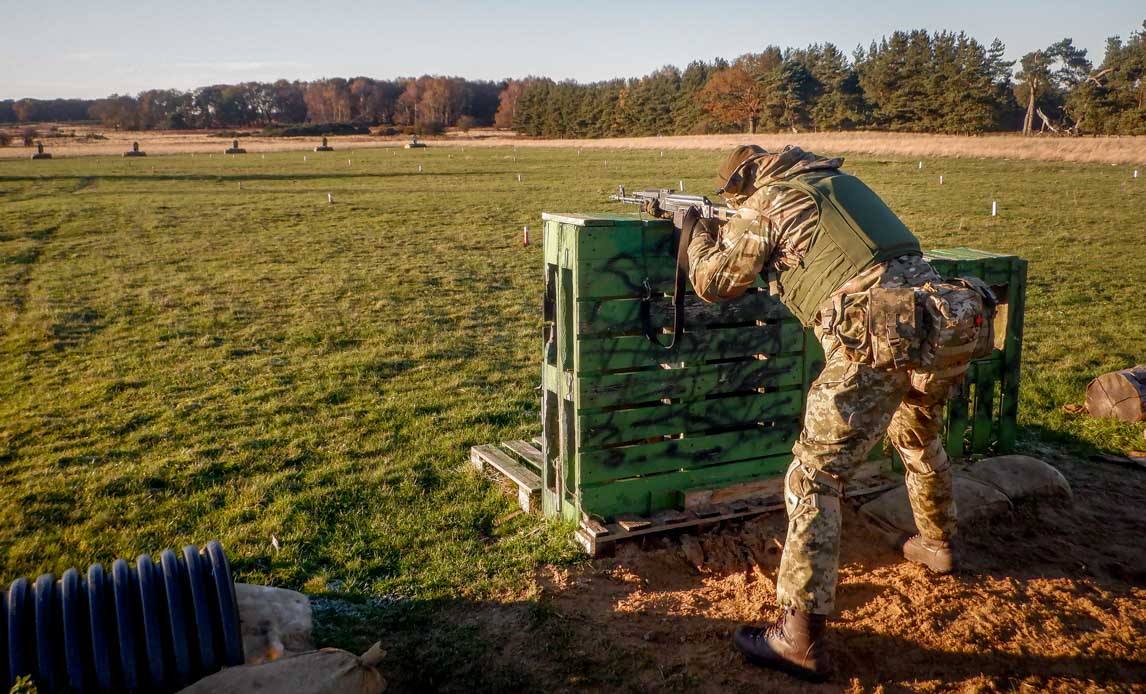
x=183 y=360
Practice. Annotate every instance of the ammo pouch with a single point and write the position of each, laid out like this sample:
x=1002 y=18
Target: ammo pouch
x=880 y=327
x=958 y=321
x=938 y=327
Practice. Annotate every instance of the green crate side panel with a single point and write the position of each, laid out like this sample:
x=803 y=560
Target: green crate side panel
x=608 y=464
x=623 y=316
x=597 y=429
x=1012 y=358
x=636 y=351
x=645 y=495
x=595 y=391
x=983 y=415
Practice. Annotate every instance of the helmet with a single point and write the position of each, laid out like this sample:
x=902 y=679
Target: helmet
x=729 y=177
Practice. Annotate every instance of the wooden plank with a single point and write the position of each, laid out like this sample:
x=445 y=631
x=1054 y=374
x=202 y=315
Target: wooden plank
x=612 y=353
x=591 y=220
x=597 y=545
x=690 y=383
x=982 y=428
x=646 y=495
x=630 y=522
x=622 y=316
x=756 y=489
x=957 y=410
x=606 y=464
x=694 y=417
x=653 y=238
x=527 y=451
x=624 y=276
x=489 y=454
x=1012 y=357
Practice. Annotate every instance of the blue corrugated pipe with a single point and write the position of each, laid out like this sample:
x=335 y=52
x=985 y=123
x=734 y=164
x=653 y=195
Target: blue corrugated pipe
x=143 y=628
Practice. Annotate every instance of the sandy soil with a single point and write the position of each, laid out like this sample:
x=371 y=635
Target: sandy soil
x=1111 y=150
x=1050 y=599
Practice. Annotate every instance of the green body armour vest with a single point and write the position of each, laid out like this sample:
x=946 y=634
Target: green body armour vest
x=856 y=230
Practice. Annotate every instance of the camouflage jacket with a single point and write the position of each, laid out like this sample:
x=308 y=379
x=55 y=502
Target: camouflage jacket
x=771 y=230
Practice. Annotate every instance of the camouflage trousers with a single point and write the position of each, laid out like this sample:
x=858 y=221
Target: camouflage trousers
x=850 y=407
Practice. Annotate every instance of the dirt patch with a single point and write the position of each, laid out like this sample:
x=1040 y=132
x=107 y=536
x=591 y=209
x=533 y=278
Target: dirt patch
x=1050 y=599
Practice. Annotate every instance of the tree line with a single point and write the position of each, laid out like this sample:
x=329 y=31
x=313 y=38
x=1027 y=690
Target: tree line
x=432 y=102
x=910 y=81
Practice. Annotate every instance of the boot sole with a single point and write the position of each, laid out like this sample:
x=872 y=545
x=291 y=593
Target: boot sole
x=786 y=667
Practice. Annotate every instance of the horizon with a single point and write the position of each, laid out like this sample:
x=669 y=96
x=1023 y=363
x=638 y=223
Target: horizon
x=114 y=51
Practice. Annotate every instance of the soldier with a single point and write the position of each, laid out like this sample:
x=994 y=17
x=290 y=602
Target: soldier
x=897 y=341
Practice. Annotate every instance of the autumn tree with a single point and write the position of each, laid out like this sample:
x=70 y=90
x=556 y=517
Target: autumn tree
x=734 y=97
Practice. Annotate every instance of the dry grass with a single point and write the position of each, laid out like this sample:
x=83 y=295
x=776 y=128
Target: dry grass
x=1101 y=150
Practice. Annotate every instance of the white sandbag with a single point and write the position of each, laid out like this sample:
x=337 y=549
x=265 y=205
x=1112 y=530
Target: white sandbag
x=275 y=622
x=974 y=501
x=1021 y=477
x=327 y=671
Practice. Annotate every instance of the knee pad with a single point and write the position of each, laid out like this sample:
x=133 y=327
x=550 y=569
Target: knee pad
x=807 y=487
x=928 y=460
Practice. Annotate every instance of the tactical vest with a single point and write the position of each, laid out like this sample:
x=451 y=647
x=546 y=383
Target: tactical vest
x=856 y=230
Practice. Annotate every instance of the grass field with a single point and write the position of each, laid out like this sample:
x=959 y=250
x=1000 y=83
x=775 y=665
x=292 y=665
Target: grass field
x=184 y=359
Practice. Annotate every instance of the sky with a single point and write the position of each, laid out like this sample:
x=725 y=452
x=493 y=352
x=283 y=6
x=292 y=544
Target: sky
x=54 y=49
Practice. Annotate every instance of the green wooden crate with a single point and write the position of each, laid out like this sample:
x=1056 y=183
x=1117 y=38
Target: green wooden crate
x=630 y=429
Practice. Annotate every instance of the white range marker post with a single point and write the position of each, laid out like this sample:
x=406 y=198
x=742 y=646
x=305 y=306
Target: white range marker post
x=994 y=208
x=240 y=182
x=662 y=154
x=304 y=157
x=920 y=166
x=525 y=236
x=348 y=163
x=940 y=180
x=519 y=178
x=330 y=198
x=419 y=168
x=606 y=163
x=1135 y=173
x=681 y=185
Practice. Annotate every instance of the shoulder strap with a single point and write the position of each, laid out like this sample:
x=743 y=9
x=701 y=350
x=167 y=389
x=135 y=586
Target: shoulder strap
x=690 y=217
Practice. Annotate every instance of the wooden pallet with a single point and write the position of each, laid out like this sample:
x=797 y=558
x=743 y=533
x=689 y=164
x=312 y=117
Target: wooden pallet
x=519 y=462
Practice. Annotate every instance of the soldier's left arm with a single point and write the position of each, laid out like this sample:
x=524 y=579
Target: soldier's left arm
x=724 y=264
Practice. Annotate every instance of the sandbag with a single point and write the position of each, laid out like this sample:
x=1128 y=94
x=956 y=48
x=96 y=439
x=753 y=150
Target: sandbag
x=1119 y=395
x=974 y=501
x=1021 y=477
x=326 y=671
x=275 y=622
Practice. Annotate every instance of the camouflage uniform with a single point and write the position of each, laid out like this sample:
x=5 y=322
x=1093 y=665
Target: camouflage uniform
x=851 y=404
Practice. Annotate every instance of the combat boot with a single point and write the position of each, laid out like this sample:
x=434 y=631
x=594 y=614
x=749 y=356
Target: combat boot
x=794 y=645
x=934 y=554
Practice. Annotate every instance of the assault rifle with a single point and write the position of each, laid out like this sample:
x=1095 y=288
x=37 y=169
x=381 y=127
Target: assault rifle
x=685 y=211
x=666 y=204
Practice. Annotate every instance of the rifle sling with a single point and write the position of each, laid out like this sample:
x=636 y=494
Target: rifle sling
x=690 y=217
